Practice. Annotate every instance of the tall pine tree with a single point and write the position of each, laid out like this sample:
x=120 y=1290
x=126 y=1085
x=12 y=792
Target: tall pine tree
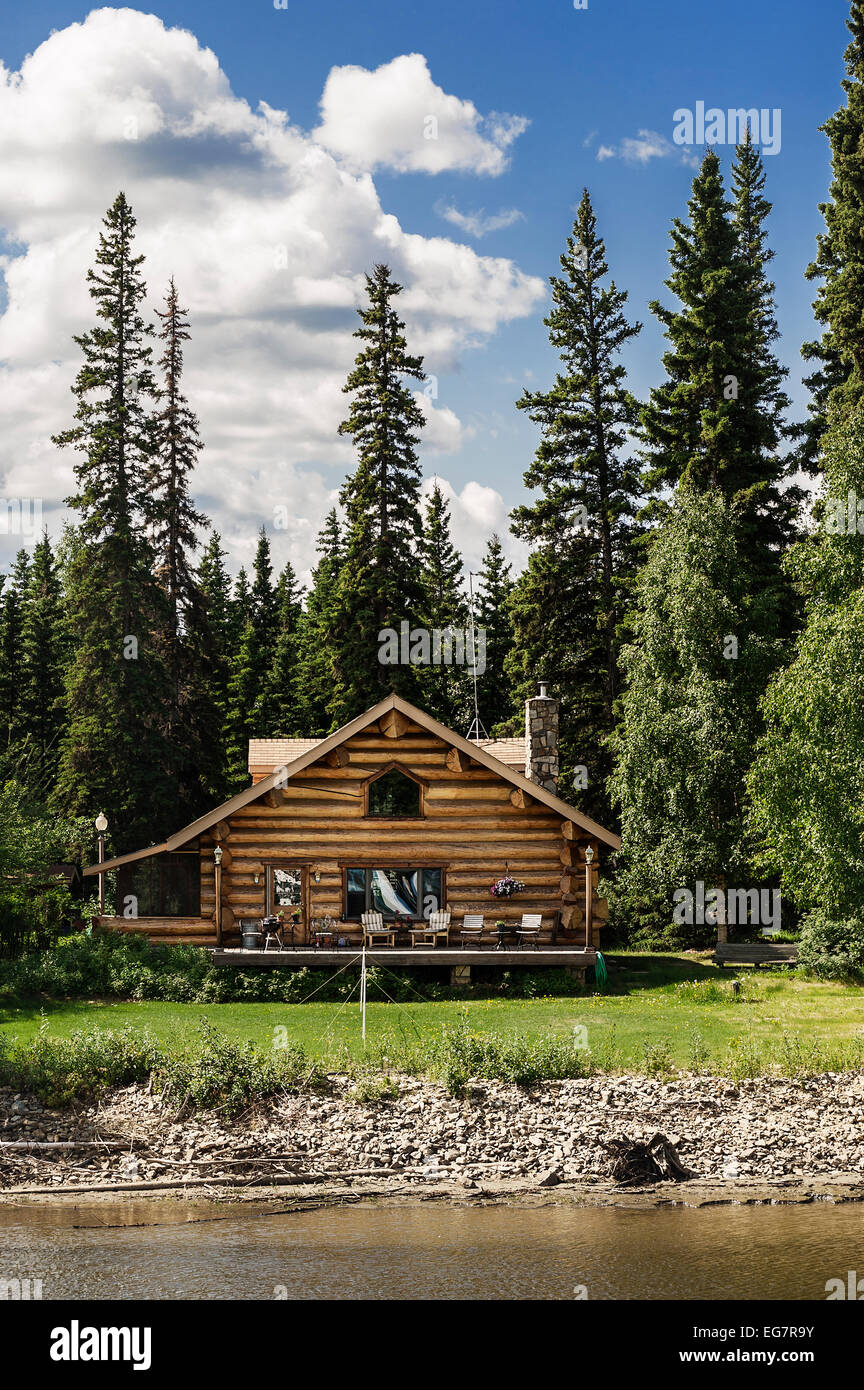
x=568 y=605
x=444 y=685
x=191 y=720
x=278 y=713
x=318 y=626
x=252 y=662
x=114 y=755
x=13 y=609
x=492 y=613
x=380 y=580
x=42 y=662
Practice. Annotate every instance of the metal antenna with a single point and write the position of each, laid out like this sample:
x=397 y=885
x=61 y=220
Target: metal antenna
x=477 y=732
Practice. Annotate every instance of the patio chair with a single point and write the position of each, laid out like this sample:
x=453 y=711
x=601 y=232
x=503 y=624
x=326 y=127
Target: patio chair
x=471 y=929
x=438 y=926
x=529 y=929
x=375 y=930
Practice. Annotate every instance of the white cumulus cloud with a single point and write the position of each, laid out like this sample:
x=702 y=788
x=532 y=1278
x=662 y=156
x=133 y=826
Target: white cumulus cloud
x=268 y=235
x=398 y=118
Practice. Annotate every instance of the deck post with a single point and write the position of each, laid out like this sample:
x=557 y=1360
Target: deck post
x=589 y=894
x=217 y=874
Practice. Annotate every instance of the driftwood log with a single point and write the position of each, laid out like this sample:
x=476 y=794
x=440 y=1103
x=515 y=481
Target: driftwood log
x=637 y=1162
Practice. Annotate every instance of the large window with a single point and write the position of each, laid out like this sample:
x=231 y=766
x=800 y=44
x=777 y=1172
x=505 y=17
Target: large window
x=163 y=885
x=416 y=892
x=393 y=794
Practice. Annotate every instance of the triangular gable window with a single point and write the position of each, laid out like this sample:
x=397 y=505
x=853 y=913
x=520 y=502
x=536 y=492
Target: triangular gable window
x=394 y=794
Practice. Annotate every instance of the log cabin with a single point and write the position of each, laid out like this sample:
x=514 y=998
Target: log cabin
x=392 y=813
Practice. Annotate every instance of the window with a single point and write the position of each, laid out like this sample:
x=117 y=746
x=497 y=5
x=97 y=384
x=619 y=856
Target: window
x=163 y=885
x=284 y=887
x=415 y=892
x=393 y=794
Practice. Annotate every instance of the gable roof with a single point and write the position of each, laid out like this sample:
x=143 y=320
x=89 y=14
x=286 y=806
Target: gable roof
x=265 y=754
x=319 y=750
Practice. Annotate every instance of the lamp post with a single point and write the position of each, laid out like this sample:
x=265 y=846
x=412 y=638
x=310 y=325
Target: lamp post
x=101 y=824
x=217 y=869
x=589 y=893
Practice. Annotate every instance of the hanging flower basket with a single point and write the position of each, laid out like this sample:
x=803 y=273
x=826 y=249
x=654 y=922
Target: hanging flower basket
x=506 y=887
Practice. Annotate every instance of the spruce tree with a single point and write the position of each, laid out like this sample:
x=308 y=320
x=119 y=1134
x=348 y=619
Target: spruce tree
x=568 y=605
x=444 y=686
x=492 y=613
x=175 y=520
x=380 y=581
x=114 y=756
x=241 y=606
x=715 y=420
x=42 y=663
x=252 y=662
x=777 y=502
x=214 y=584
x=318 y=625
x=278 y=711
x=13 y=609
x=192 y=720
x=839 y=263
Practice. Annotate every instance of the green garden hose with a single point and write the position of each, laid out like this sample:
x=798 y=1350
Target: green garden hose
x=601 y=974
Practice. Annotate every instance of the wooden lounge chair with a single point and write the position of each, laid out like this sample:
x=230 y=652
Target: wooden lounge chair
x=471 y=930
x=436 y=929
x=529 y=929
x=374 y=930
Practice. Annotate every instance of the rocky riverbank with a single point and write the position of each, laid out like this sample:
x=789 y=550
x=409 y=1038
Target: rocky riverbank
x=765 y=1133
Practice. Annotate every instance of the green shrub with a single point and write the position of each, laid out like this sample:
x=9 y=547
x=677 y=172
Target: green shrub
x=61 y=1070
x=832 y=948
x=458 y=1054
x=220 y=1074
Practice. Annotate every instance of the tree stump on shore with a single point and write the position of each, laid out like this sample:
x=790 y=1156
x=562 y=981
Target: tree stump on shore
x=636 y=1162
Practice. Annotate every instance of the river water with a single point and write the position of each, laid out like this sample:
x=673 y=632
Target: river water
x=431 y=1251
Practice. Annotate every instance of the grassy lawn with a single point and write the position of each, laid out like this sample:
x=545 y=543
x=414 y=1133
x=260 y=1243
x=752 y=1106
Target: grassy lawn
x=649 y=999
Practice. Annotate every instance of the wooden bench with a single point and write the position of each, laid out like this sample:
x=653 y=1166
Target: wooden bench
x=755 y=953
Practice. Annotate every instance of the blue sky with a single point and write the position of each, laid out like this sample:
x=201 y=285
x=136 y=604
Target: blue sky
x=583 y=80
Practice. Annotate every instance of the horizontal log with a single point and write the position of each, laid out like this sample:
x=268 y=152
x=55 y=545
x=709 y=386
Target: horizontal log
x=338 y=757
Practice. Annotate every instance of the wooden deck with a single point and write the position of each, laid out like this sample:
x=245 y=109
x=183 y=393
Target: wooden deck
x=561 y=957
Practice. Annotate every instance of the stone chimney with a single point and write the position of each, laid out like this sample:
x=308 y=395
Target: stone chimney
x=541 y=740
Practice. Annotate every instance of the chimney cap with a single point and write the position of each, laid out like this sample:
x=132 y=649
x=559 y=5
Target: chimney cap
x=543 y=695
